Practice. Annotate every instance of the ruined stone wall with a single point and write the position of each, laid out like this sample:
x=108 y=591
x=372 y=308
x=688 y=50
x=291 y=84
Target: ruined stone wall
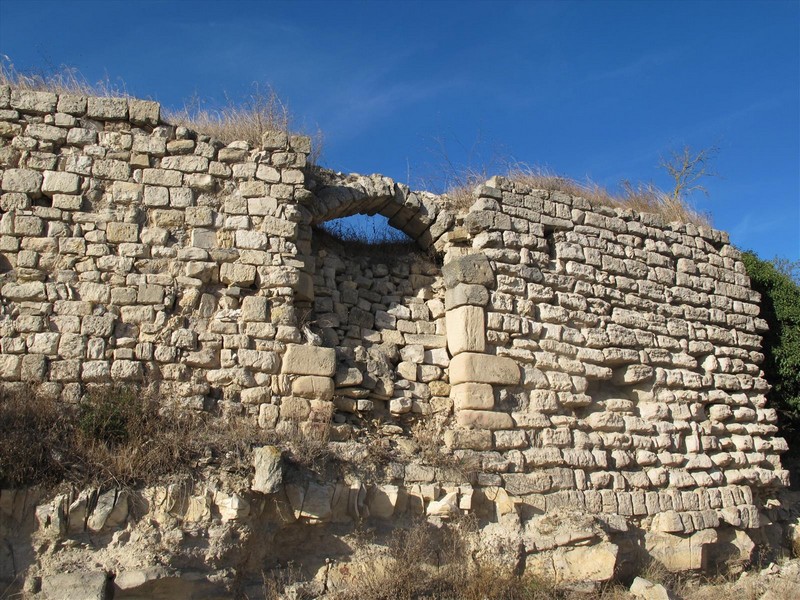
x=577 y=357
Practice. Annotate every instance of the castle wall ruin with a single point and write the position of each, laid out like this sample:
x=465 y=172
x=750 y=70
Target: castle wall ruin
x=582 y=357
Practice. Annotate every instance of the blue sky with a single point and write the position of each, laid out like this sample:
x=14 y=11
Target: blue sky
x=588 y=89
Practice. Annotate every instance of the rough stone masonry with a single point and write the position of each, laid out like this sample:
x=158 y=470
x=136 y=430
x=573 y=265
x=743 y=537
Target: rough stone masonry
x=590 y=359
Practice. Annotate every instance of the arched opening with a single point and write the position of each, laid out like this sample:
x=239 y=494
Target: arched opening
x=366 y=230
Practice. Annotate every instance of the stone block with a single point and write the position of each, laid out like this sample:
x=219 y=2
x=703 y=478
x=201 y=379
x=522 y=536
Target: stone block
x=257 y=360
x=466 y=294
x=295 y=409
x=268 y=475
x=679 y=553
x=472 y=269
x=309 y=360
x=25 y=181
x=144 y=112
x=466 y=330
x=585 y=563
x=472 y=396
x=484 y=419
x=255 y=309
x=313 y=386
x=60 y=182
x=468 y=439
x=483 y=368
x=237 y=274
x=81 y=585
x=117 y=233
x=107 y=108
x=34 y=102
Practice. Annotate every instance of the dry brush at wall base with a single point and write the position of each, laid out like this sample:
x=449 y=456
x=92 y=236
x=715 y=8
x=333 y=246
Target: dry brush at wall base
x=586 y=377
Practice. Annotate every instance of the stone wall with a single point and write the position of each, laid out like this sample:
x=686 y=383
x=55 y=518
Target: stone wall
x=578 y=357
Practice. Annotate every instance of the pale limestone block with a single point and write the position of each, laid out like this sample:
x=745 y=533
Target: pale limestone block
x=144 y=112
x=382 y=500
x=268 y=416
x=255 y=309
x=237 y=274
x=295 y=409
x=263 y=361
x=313 y=386
x=678 y=553
x=60 y=182
x=483 y=368
x=34 y=102
x=468 y=439
x=477 y=396
x=126 y=370
x=10 y=367
x=466 y=331
x=21 y=292
x=117 y=233
x=107 y=108
x=256 y=395
x=309 y=360
x=484 y=419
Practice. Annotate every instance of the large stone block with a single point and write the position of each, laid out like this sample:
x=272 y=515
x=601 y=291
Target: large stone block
x=472 y=396
x=466 y=294
x=585 y=563
x=678 y=553
x=484 y=419
x=483 y=368
x=82 y=585
x=472 y=268
x=60 y=182
x=313 y=386
x=309 y=360
x=466 y=329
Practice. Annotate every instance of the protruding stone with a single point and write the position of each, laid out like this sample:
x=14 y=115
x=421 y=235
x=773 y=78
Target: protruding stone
x=82 y=585
x=268 y=474
x=313 y=386
x=466 y=294
x=474 y=396
x=309 y=360
x=483 y=368
x=466 y=330
x=484 y=419
x=472 y=268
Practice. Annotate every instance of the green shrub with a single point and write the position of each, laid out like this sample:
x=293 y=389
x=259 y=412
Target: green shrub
x=780 y=307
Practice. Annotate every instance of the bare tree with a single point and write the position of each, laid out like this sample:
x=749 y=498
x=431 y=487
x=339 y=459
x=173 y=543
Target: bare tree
x=687 y=168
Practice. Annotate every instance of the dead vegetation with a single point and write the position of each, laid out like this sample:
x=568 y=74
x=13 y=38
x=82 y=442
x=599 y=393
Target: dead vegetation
x=245 y=119
x=123 y=436
x=640 y=197
x=424 y=561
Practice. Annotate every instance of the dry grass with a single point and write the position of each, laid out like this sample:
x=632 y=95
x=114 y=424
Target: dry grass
x=639 y=197
x=61 y=80
x=236 y=120
x=248 y=120
x=436 y=563
x=122 y=436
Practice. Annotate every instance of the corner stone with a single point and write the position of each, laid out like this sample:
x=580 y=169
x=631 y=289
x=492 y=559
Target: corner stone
x=473 y=268
x=483 y=368
x=309 y=360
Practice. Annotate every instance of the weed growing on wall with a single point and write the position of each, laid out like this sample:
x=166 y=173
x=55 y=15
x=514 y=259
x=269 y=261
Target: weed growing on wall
x=236 y=119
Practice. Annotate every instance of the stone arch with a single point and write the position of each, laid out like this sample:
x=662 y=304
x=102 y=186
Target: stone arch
x=419 y=215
